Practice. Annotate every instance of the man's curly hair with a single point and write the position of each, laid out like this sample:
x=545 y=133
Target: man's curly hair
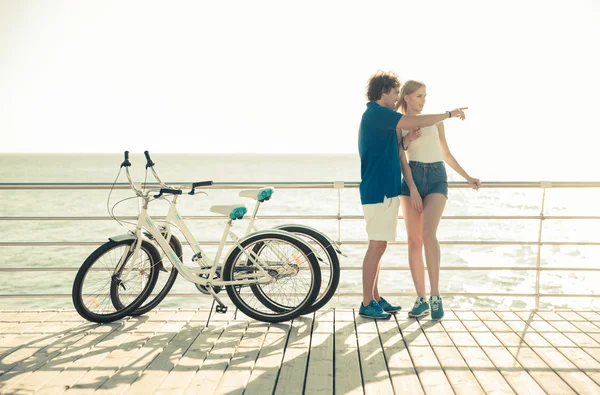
x=381 y=82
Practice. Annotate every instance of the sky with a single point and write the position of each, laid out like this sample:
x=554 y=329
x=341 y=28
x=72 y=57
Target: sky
x=289 y=77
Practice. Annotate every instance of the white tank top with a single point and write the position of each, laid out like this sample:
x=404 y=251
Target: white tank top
x=427 y=148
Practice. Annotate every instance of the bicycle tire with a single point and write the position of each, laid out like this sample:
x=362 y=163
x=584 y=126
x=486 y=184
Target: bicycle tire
x=147 y=252
x=152 y=301
x=329 y=286
x=281 y=313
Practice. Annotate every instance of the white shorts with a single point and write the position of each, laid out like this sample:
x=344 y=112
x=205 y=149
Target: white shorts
x=382 y=219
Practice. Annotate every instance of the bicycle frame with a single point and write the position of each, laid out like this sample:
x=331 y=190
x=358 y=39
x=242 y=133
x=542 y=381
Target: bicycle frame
x=209 y=268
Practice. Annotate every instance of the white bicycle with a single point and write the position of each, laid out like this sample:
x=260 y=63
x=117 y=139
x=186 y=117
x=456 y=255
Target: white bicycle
x=269 y=275
x=323 y=247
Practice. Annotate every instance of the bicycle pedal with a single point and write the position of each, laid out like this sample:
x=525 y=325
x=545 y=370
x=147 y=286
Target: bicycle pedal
x=221 y=309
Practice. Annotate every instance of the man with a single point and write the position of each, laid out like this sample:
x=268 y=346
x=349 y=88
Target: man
x=379 y=136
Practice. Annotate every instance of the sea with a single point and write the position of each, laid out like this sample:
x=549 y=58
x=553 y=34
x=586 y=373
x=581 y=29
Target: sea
x=516 y=252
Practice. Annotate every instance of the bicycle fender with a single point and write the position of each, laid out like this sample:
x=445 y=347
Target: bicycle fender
x=123 y=237
x=329 y=239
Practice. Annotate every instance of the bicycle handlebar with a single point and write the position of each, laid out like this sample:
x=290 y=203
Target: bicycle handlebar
x=149 y=162
x=126 y=162
x=168 y=190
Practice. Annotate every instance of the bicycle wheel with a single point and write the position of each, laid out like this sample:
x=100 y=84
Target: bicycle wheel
x=289 y=261
x=328 y=259
x=97 y=279
x=167 y=274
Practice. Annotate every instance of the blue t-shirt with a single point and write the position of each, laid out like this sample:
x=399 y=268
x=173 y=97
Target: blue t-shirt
x=379 y=156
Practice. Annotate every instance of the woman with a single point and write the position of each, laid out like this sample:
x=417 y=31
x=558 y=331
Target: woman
x=424 y=191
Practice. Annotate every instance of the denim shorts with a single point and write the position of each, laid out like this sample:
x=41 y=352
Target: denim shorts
x=429 y=178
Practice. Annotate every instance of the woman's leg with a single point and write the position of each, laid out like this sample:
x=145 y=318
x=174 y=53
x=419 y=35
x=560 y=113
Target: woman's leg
x=433 y=207
x=413 y=220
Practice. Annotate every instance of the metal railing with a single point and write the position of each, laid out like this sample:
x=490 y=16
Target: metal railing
x=544 y=186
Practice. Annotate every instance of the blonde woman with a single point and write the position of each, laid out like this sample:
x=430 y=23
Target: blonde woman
x=423 y=195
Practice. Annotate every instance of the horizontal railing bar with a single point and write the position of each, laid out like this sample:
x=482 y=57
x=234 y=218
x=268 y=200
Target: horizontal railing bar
x=488 y=294
x=480 y=242
x=328 y=217
x=215 y=243
x=349 y=268
x=294 y=185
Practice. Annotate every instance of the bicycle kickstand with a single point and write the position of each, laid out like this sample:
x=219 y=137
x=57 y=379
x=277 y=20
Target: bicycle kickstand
x=221 y=308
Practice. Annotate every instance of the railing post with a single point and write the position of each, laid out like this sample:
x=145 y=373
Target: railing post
x=544 y=184
x=339 y=185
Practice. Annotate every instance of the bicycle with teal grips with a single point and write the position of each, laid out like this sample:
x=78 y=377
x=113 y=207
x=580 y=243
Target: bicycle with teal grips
x=283 y=261
x=322 y=246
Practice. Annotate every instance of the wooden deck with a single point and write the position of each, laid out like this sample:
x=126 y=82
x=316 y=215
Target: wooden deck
x=332 y=352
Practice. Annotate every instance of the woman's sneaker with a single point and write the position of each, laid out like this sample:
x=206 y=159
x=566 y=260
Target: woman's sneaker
x=373 y=310
x=387 y=307
x=437 y=309
x=420 y=308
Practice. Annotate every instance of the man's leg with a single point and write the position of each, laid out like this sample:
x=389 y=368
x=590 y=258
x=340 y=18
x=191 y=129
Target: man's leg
x=371 y=269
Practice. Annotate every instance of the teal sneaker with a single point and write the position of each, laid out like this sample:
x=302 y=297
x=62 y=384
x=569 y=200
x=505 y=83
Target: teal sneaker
x=373 y=310
x=437 y=309
x=387 y=307
x=420 y=308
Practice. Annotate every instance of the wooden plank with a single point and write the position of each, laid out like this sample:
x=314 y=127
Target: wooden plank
x=586 y=326
x=564 y=326
x=589 y=315
x=432 y=377
x=347 y=374
x=449 y=315
x=507 y=315
x=236 y=377
x=582 y=340
x=58 y=375
x=542 y=326
x=576 y=379
x=402 y=371
x=207 y=378
x=570 y=316
x=193 y=358
x=26 y=368
x=527 y=315
x=483 y=369
x=557 y=339
x=465 y=315
x=487 y=316
x=453 y=326
x=543 y=374
x=593 y=352
x=583 y=361
x=293 y=370
x=102 y=365
x=549 y=316
x=475 y=326
x=178 y=336
x=266 y=369
x=147 y=341
x=320 y=374
x=520 y=381
x=457 y=371
x=497 y=326
x=22 y=347
x=376 y=379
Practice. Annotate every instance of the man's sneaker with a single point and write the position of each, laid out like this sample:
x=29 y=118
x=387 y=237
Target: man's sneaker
x=387 y=307
x=373 y=310
x=437 y=309
x=420 y=308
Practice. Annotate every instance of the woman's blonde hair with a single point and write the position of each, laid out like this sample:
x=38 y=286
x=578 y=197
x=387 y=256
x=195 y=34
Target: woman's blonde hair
x=409 y=87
